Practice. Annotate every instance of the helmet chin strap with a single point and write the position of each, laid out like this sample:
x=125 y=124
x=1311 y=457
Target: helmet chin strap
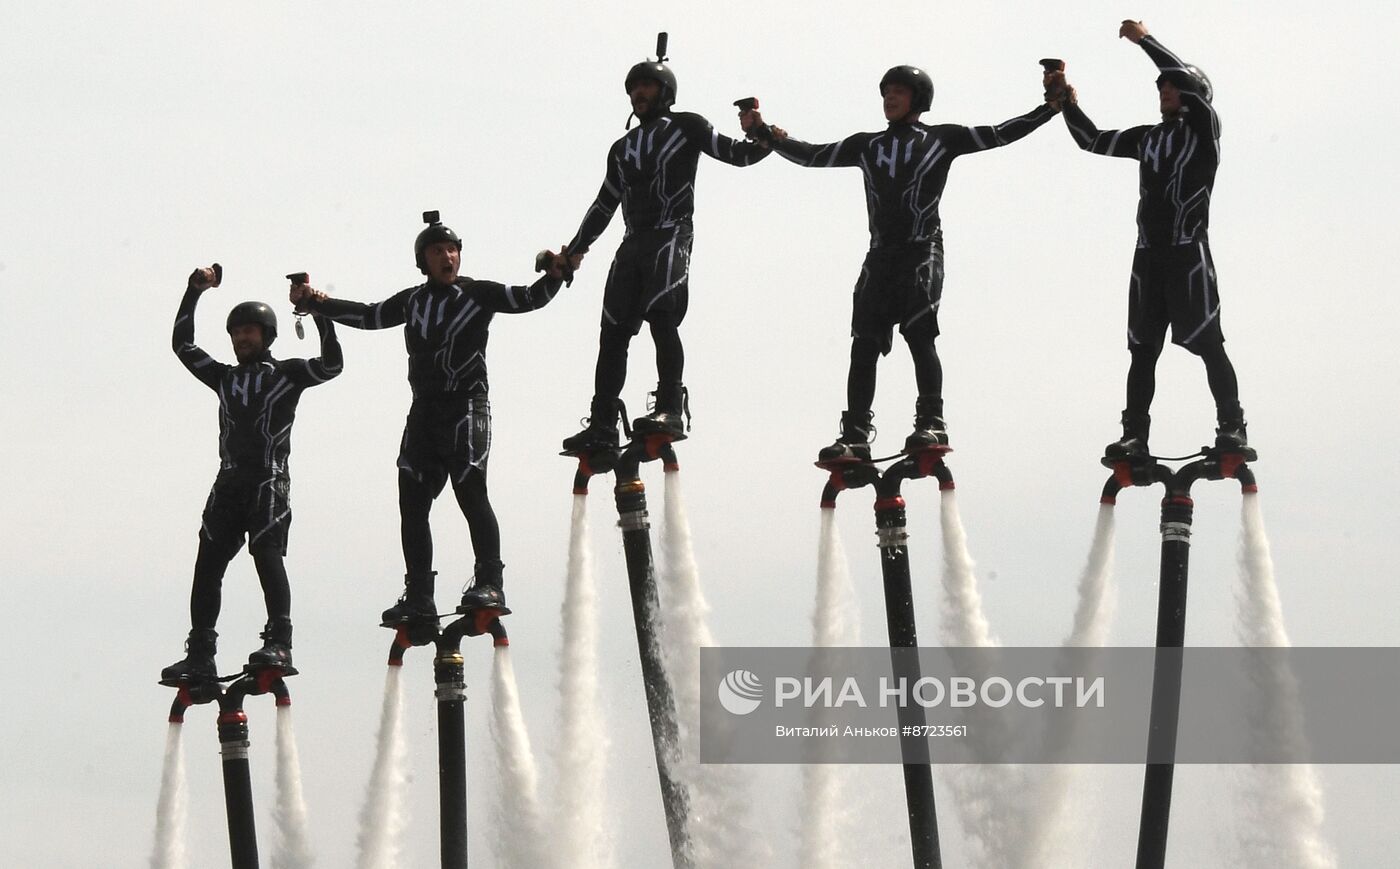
x=640 y=118
x=657 y=109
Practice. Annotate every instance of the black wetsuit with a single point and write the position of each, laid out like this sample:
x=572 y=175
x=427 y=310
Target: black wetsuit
x=448 y=431
x=250 y=496
x=651 y=174
x=1173 y=278
x=905 y=168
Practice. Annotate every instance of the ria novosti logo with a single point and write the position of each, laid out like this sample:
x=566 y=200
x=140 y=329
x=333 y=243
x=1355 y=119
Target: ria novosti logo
x=740 y=692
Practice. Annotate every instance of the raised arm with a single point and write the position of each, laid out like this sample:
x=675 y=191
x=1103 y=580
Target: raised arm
x=1162 y=56
x=846 y=152
x=1200 y=114
x=324 y=367
x=735 y=152
x=1110 y=143
x=986 y=137
x=505 y=299
x=199 y=363
x=391 y=312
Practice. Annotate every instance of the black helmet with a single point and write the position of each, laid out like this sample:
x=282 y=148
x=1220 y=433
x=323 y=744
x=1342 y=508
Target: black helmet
x=920 y=82
x=247 y=313
x=657 y=72
x=1189 y=78
x=434 y=233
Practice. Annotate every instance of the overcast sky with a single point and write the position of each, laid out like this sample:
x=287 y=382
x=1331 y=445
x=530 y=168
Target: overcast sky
x=143 y=139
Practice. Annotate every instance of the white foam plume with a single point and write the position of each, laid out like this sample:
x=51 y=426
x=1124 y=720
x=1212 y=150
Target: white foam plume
x=172 y=806
x=1283 y=803
x=383 y=818
x=825 y=819
x=581 y=751
x=963 y=623
x=987 y=795
x=520 y=843
x=721 y=814
x=291 y=846
x=1047 y=800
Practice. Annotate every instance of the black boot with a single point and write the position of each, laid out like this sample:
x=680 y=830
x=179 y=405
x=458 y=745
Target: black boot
x=416 y=603
x=1230 y=434
x=672 y=400
x=485 y=591
x=854 y=442
x=929 y=428
x=1133 y=444
x=601 y=433
x=198 y=664
x=277 y=645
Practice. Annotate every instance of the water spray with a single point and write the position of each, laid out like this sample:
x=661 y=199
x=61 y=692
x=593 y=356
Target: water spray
x=582 y=748
x=890 y=523
x=172 y=808
x=1177 y=508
